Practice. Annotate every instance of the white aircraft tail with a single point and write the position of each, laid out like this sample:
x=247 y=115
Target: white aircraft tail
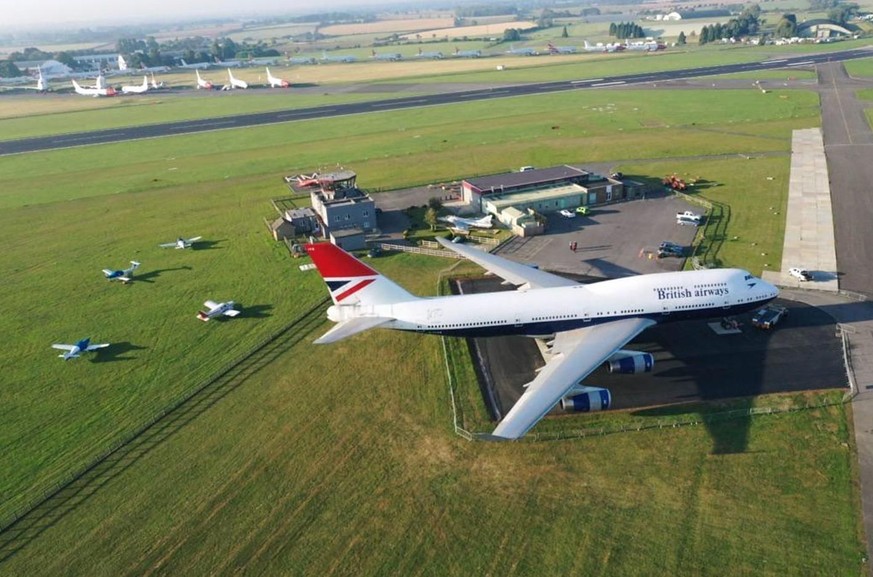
x=350 y=281
x=122 y=64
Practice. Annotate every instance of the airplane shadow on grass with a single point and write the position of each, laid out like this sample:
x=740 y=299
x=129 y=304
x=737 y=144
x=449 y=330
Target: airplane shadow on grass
x=254 y=311
x=207 y=244
x=116 y=352
x=153 y=274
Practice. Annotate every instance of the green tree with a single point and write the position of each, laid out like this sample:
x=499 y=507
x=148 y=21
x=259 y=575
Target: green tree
x=9 y=69
x=680 y=40
x=435 y=203
x=430 y=217
x=511 y=35
x=564 y=33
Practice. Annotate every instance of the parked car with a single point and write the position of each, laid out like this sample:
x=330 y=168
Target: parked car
x=685 y=221
x=669 y=244
x=768 y=317
x=583 y=210
x=800 y=274
x=689 y=215
x=568 y=213
x=670 y=250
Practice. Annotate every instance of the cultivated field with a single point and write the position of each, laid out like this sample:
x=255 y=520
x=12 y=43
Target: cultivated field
x=387 y=26
x=341 y=459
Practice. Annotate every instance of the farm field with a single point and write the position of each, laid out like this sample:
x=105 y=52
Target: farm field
x=341 y=459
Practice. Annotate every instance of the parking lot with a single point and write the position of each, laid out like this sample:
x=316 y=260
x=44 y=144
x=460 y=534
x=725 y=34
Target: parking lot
x=692 y=361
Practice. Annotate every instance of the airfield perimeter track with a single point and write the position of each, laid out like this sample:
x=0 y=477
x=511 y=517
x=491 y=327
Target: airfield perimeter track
x=25 y=525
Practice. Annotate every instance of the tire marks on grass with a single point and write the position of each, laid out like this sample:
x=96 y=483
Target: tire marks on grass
x=55 y=505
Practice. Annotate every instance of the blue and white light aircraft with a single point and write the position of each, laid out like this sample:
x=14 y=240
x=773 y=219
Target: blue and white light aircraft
x=585 y=325
x=214 y=309
x=124 y=276
x=181 y=242
x=74 y=351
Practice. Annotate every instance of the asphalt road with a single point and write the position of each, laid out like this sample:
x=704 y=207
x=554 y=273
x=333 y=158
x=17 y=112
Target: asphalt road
x=263 y=118
x=848 y=146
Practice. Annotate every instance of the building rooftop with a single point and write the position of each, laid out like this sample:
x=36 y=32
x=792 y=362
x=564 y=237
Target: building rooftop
x=502 y=202
x=540 y=176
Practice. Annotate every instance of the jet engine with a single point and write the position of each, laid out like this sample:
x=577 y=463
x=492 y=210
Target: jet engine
x=630 y=362
x=582 y=399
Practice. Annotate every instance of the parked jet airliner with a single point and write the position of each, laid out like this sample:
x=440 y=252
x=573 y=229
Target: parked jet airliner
x=587 y=325
x=275 y=82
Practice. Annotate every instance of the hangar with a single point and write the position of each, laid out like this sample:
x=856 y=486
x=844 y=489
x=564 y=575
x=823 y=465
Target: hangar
x=544 y=191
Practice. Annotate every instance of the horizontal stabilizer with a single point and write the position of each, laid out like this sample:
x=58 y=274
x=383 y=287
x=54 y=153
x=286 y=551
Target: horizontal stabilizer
x=351 y=327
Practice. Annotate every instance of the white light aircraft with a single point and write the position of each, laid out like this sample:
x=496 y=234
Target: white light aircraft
x=204 y=84
x=586 y=325
x=124 y=276
x=144 y=87
x=74 y=351
x=181 y=242
x=99 y=89
x=214 y=309
x=276 y=82
x=234 y=82
x=464 y=224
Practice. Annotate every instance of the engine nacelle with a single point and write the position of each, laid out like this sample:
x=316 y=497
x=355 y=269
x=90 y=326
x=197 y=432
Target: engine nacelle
x=583 y=399
x=630 y=362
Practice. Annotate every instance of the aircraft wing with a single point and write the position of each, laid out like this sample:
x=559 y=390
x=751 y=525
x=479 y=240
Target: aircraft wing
x=195 y=239
x=231 y=312
x=63 y=347
x=168 y=245
x=575 y=354
x=516 y=273
x=124 y=278
x=98 y=346
x=210 y=305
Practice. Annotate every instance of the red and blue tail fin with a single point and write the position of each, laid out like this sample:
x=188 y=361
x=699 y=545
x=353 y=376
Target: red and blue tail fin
x=350 y=281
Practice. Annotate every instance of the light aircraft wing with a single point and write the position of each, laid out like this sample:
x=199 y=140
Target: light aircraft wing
x=108 y=272
x=63 y=347
x=210 y=304
x=124 y=278
x=195 y=239
x=168 y=244
x=575 y=354
x=231 y=312
x=97 y=346
x=516 y=273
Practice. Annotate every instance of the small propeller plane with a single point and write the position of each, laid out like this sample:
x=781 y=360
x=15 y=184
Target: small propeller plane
x=74 y=351
x=181 y=242
x=125 y=275
x=214 y=309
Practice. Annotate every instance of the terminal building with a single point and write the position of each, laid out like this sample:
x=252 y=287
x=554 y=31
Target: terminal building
x=515 y=198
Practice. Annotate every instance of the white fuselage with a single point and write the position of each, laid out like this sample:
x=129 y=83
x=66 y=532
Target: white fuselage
x=541 y=312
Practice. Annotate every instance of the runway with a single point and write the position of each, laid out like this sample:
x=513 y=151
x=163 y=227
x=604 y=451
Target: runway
x=264 y=118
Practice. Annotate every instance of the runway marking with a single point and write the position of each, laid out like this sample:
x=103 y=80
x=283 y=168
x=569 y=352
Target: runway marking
x=392 y=104
x=602 y=84
x=216 y=123
x=804 y=63
x=586 y=81
x=77 y=139
x=305 y=113
x=768 y=62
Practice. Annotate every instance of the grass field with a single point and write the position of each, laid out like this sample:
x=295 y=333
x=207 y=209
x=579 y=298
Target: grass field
x=341 y=460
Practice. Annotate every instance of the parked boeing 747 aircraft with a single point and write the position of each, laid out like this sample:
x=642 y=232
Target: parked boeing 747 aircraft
x=586 y=325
